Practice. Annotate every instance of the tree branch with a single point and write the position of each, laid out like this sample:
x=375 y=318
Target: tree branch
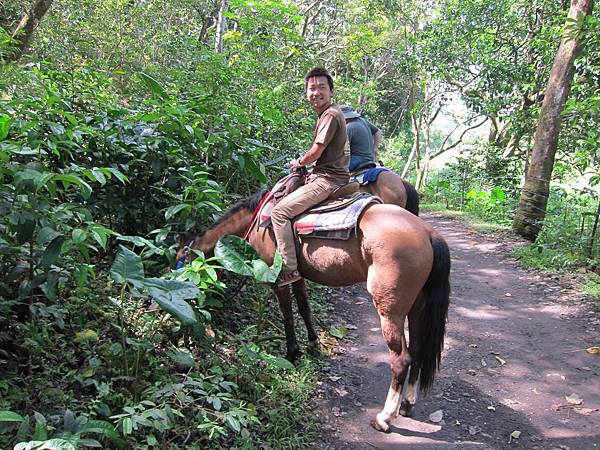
x=27 y=26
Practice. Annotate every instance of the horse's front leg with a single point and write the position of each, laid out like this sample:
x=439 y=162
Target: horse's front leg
x=285 y=305
x=299 y=289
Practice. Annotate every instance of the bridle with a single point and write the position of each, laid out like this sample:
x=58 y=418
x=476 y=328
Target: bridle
x=186 y=254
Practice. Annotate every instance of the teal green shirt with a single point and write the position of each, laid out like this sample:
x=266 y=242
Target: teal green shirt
x=360 y=137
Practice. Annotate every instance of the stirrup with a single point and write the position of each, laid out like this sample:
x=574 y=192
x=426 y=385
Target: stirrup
x=286 y=278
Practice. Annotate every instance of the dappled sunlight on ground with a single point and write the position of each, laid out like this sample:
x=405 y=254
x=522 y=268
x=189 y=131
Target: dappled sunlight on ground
x=514 y=366
x=483 y=313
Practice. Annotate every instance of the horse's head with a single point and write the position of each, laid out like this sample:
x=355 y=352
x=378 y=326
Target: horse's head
x=187 y=244
x=235 y=221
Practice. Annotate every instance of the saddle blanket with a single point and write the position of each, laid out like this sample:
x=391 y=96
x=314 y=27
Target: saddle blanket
x=337 y=224
x=369 y=175
x=335 y=219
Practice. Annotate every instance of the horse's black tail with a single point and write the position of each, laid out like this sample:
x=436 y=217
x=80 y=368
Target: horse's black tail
x=412 y=198
x=431 y=317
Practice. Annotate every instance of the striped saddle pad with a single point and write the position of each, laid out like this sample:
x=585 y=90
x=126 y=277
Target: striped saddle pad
x=334 y=219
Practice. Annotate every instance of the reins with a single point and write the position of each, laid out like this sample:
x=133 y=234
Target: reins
x=255 y=214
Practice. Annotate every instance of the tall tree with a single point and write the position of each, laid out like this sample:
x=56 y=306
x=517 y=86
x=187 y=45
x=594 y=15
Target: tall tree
x=534 y=195
x=221 y=26
x=27 y=26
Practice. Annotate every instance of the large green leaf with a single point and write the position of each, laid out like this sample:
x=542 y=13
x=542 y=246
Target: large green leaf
x=182 y=356
x=127 y=266
x=26 y=226
x=69 y=179
x=51 y=444
x=28 y=177
x=118 y=174
x=265 y=273
x=256 y=170
x=51 y=253
x=100 y=233
x=237 y=256
x=9 y=416
x=46 y=235
x=171 y=295
x=154 y=85
x=276 y=361
x=172 y=210
x=4 y=126
x=101 y=427
x=141 y=242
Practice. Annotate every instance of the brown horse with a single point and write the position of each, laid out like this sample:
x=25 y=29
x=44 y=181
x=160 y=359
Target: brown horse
x=392 y=189
x=406 y=265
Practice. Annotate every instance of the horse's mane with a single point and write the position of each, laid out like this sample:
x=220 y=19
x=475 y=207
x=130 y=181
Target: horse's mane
x=249 y=203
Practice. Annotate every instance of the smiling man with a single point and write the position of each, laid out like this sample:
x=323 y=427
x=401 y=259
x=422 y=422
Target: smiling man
x=330 y=153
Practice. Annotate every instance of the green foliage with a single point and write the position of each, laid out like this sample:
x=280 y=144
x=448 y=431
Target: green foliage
x=468 y=184
x=252 y=354
x=338 y=332
x=592 y=287
x=74 y=430
x=237 y=256
x=171 y=295
x=565 y=241
x=566 y=238
x=124 y=126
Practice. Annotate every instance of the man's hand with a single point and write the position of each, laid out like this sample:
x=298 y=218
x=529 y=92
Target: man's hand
x=294 y=164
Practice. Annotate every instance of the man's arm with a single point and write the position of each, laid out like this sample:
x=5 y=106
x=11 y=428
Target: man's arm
x=327 y=130
x=310 y=156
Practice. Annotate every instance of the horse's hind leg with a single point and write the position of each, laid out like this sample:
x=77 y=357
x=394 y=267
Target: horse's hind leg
x=392 y=327
x=299 y=288
x=285 y=305
x=411 y=390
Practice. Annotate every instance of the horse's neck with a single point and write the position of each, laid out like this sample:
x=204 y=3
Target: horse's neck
x=234 y=224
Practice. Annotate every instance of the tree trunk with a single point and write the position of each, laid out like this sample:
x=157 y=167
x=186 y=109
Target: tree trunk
x=593 y=234
x=422 y=173
x=416 y=144
x=26 y=28
x=534 y=195
x=221 y=25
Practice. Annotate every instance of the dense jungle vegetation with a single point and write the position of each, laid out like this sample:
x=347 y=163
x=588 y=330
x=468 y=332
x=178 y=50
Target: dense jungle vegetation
x=124 y=123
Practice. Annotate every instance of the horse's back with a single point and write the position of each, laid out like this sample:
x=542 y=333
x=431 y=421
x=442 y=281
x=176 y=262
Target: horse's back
x=381 y=221
x=393 y=189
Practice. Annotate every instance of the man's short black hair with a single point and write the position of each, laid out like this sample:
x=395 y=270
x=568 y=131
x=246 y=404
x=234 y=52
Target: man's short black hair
x=318 y=72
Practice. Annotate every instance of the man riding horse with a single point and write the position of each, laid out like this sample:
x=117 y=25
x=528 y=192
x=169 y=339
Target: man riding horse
x=363 y=138
x=329 y=152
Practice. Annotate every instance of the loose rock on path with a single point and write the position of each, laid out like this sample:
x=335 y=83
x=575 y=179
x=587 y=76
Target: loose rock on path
x=515 y=372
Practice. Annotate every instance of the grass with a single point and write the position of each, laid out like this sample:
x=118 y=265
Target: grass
x=591 y=287
x=465 y=218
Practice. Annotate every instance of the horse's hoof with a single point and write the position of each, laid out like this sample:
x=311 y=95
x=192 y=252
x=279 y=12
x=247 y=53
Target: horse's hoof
x=381 y=422
x=406 y=409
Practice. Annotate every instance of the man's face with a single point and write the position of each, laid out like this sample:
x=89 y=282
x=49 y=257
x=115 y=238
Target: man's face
x=318 y=93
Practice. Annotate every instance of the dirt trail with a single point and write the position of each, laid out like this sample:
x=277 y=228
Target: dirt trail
x=515 y=349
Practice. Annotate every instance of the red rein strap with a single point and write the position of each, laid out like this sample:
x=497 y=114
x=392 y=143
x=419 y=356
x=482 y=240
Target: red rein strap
x=256 y=211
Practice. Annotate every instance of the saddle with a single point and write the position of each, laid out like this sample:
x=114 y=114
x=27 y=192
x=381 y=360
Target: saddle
x=335 y=218
x=366 y=174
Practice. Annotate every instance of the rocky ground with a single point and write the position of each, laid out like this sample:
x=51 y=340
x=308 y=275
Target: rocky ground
x=518 y=370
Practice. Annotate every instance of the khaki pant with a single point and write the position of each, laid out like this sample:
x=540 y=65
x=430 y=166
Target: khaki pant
x=293 y=205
